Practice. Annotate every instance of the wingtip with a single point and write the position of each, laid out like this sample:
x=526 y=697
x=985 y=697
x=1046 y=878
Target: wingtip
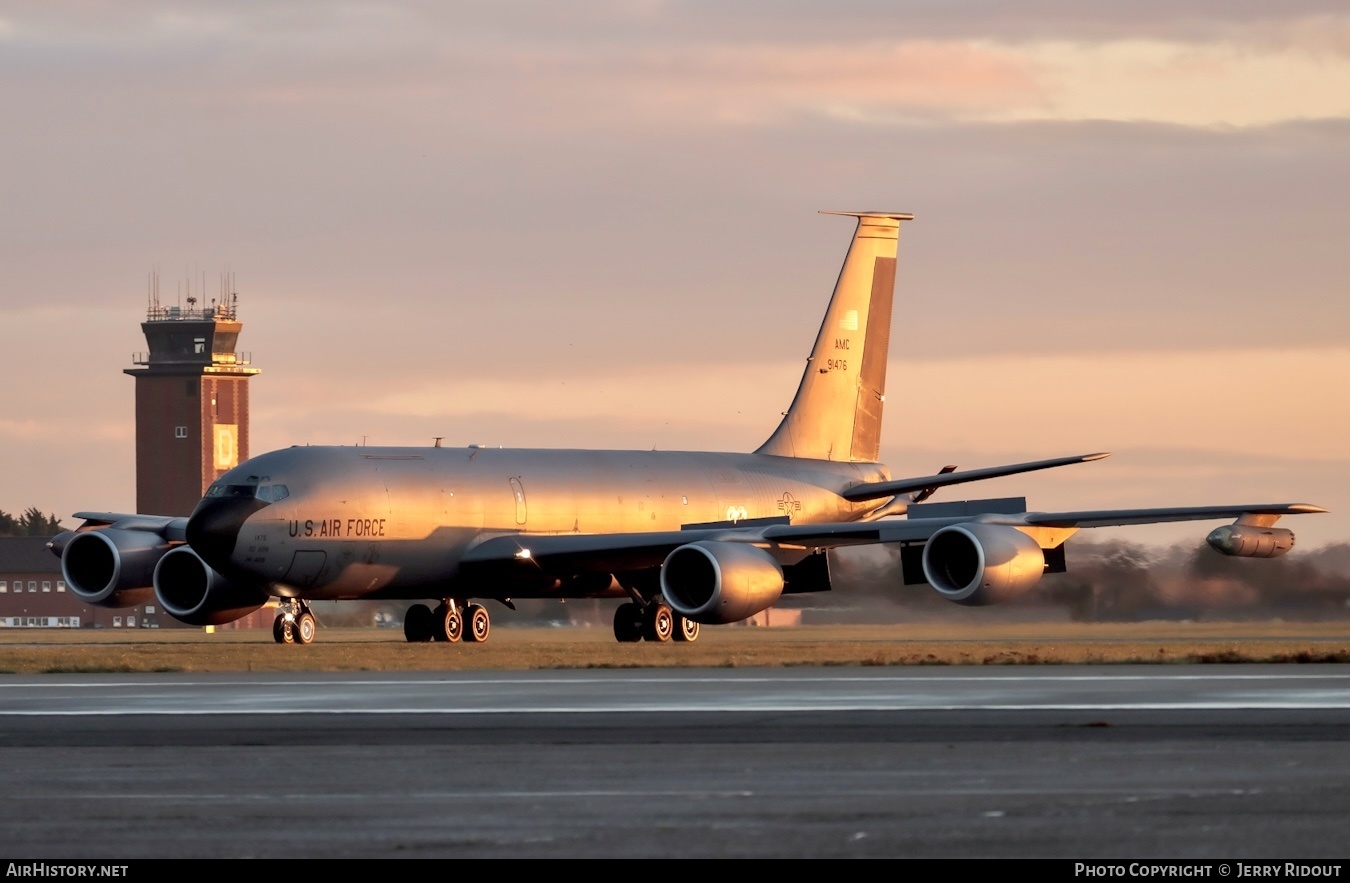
x=1100 y=455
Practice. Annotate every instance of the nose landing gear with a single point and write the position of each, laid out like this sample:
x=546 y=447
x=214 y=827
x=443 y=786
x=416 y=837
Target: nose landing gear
x=295 y=623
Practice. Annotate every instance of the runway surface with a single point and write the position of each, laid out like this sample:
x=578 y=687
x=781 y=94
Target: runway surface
x=1218 y=762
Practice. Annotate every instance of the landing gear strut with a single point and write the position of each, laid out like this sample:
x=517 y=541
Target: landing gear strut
x=295 y=623
x=446 y=624
x=628 y=623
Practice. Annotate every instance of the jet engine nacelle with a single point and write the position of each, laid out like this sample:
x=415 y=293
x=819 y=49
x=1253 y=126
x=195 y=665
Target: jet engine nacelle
x=189 y=590
x=1248 y=541
x=977 y=564
x=111 y=567
x=716 y=583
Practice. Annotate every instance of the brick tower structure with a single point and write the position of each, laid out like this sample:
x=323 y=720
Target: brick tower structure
x=191 y=402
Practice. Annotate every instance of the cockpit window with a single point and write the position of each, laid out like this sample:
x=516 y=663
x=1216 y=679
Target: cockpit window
x=231 y=490
x=273 y=493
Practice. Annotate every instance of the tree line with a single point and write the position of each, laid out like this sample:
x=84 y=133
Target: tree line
x=32 y=523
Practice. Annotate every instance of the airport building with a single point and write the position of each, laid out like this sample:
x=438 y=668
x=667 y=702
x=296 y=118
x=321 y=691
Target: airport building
x=192 y=424
x=33 y=594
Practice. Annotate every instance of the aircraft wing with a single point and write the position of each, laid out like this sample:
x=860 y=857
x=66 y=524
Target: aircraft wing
x=926 y=484
x=1120 y=517
x=126 y=521
x=632 y=551
x=570 y=553
x=173 y=529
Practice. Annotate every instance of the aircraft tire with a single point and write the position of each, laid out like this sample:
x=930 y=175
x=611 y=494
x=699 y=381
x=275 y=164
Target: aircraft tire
x=686 y=630
x=448 y=624
x=658 y=623
x=628 y=623
x=283 y=631
x=479 y=623
x=418 y=624
x=305 y=629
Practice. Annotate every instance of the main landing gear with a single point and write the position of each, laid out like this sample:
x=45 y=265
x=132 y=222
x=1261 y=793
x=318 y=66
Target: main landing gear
x=295 y=623
x=452 y=620
x=652 y=621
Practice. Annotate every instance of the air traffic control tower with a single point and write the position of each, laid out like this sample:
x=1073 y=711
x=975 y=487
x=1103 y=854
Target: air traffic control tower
x=191 y=402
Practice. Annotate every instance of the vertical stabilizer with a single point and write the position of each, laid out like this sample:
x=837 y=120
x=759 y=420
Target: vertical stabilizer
x=836 y=414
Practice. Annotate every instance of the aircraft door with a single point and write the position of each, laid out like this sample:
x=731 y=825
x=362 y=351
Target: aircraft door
x=518 y=491
x=305 y=569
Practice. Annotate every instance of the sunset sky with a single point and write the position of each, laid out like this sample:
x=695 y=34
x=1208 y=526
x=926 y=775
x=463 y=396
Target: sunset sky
x=594 y=224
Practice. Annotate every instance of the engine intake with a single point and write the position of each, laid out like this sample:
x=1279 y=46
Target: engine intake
x=1246 y=541
x=977 y=564
x=112 y=567
x=715 y=583
x=189 y=590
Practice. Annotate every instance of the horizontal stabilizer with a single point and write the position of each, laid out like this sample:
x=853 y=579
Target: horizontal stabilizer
x=878 y=489
x=894 y=216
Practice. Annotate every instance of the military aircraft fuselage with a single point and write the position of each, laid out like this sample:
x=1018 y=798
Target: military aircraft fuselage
x=364 y=522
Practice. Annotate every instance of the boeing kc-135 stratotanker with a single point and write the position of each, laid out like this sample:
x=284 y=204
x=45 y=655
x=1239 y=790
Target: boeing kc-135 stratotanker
x=686 y=538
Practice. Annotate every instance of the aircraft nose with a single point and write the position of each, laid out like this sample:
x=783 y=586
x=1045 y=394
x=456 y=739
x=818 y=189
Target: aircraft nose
x=213 y=528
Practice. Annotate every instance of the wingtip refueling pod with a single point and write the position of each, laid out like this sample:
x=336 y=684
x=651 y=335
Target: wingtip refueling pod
x=1254 y=535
